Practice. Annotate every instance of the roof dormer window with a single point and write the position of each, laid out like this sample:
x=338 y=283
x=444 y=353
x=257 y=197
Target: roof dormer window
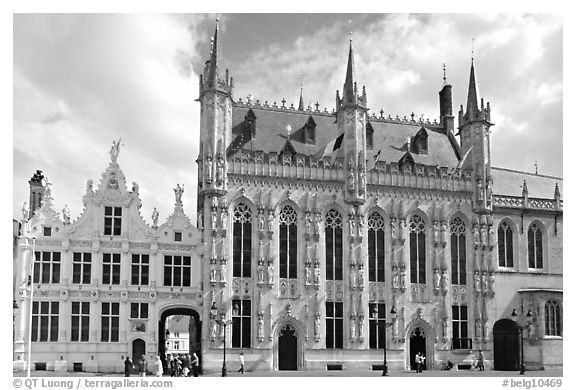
x=250 y=123
x=310 y=131
x=369 y=136
x=420 y=142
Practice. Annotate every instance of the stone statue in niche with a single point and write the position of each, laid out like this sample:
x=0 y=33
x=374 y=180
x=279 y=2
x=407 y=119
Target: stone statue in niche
x=260 y=271
x=351 y=224
x=360 y=224
x=308 y=223
x=444 y=282
x=317 y=326
x=213 y=274
x=485 y=282
x=436 y=278
x=361 y=326
x=395 y=277
x=360 y=279
x=436 y=231
x=270 y=221
x=261 y=222
x=222 y=271
x=361 y=180
x=402 y=229
x=208 y=168
x=308 y=273
x=270 y=272
x=213 y=220
x=478 y=328
x=352 y=327
x=531 y=331
x=155 y=217
x=260 y=331
x=477 y=282
x=476 y=234
x=316 y=274
x=479 y=190
x=224 y=219
x=393 y=228
x=402 y=278
x=445 y=328
x=213 y=326
x=352 y=276
x=219 y=169
x=214 y=203
x=483 y=235
x=492 y=283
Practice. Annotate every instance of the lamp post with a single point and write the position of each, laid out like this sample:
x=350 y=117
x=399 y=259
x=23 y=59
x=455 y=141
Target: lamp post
x=31 y=281
x=385 y=325
x=522 y=327
x=219 y=318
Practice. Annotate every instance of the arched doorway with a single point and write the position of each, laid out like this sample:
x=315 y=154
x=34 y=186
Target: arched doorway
x=506 y=345
x=288 y=348
x=194 y=330
x=138 y=350
x=417 y=345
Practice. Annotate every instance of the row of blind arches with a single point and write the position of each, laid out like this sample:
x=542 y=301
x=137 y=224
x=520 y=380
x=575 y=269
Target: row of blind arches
x=288 y=245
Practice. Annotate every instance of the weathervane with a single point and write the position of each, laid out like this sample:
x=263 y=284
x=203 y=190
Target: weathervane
x=444 y=69
x=350 y=23
x=473 y=49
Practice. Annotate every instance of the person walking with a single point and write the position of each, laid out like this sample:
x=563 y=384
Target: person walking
x=241 y=360
x=158 y=369
x=142 y=366
x=128 y=366
x=194 y=364
x=480 y=361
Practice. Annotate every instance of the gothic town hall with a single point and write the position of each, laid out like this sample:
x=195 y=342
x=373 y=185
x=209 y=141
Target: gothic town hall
x=321 y=238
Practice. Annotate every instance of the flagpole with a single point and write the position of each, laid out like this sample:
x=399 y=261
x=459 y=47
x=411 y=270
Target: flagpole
x=31 y=304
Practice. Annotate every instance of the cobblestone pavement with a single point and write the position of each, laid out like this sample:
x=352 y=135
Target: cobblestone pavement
x=393 y=373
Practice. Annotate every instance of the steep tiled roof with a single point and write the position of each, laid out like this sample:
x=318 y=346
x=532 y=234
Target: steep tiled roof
x=389 y=136
x=509 y=182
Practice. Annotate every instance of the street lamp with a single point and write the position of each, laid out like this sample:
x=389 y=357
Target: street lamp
x=522 y=327
x=219 y=318
x=386 y=325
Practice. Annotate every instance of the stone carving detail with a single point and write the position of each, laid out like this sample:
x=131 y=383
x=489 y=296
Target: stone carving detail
x=317 y=327
x=260 y=328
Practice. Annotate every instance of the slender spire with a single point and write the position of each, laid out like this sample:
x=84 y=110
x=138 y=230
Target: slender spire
x=212 y=76
x=301 y=102
x=472 y=103
x=349 y=93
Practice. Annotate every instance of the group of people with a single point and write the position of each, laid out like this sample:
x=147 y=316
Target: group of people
x=419 y=361
x=183 y=364
x=177 y=365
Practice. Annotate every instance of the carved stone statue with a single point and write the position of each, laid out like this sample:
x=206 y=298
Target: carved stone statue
x=317 y=326
x=395 y=278
x=476 y=234
x=178 y=191
x=316 y=275
x=208 y=168
x=213 y=327
x=261 y=222
x=199 y=221
x=402 y=229
x=483 y=235
x=353 y=327
x=402 y=278
x=24 y=212
x=436 y=231
x=155 y=217
x=477 y=281
x=213 y=220
x=479 y=190
x=478 y=328
x=213 y=274
x=351 y=225
x=308 y=223
x=260 y=271
x=394 y=228
x=115 y=150
x=224 y=219
x=350 y=181
x=308 y=272
x=214 y=203
x=531 y=331
x=361 y=180
x=222 y=271
x=360 y=279
x=492 y=283
x=352 y=276
x=270 y=272
x=436 y=278
x=361 y=326
x=219 y=169
x=66 y=214
x=260 y=331
x=444 y=282
x=485 y=282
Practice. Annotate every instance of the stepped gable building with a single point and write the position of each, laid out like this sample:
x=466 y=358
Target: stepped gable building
x=321 y=237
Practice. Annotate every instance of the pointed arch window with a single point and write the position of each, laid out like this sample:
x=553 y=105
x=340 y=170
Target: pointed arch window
x=458 y=251
x=535 y=247
x=242 y=241
x=417 y=229
x=288 y=242
x=552 y=319
x=334 y=245
x=505 y=246
x=376 y=247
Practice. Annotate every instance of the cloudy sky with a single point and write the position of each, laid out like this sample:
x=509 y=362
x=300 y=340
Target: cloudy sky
x=83 y=80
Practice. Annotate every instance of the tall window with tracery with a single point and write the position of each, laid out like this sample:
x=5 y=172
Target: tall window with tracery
x=288 y=242
x=552 y=319
x=242 y=241
x=505 y=246
x=417 y=230
x=458 y=251
x=334 y=245
x=535 y=247
x=375 y=247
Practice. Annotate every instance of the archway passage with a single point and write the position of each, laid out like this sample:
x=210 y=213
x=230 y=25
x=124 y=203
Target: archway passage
x=417 y=344
x=138 y=350
x=506 y=345
x=288 y=348
x=193 y=330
